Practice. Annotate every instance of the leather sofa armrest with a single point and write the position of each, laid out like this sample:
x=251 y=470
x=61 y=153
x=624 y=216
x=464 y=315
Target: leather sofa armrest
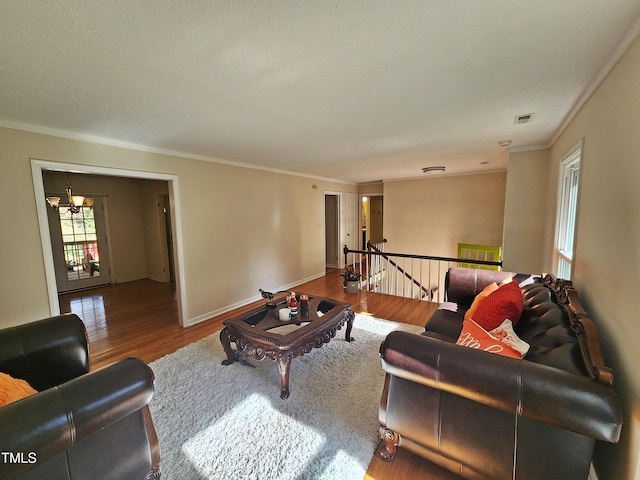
x=51 y=421
x=524 y=388
x=46 y=352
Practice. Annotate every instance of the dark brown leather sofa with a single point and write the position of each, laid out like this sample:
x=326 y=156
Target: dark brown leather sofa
x=80 y=424
x=486 y=416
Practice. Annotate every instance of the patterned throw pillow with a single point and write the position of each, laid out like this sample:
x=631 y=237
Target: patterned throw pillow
x=505 y=302
x=505 y=334
x=502 y=340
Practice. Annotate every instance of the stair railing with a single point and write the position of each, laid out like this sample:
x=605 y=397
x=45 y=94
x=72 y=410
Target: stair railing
x=402 y=274
x=381 y=255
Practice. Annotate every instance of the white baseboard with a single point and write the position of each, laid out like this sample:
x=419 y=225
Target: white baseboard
x=158 y=278
x=214 y=313
x=128 y=279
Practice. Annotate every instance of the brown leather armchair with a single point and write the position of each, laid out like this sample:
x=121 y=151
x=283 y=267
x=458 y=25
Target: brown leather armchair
x=81 y=424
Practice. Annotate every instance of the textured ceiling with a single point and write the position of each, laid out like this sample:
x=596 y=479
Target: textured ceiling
x=351 y=90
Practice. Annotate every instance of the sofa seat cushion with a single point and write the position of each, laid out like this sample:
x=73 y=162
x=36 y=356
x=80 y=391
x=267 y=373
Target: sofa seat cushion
x=446 y=322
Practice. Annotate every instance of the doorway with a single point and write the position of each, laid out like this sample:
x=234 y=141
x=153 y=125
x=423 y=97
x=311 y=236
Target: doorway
x=39 y=167
x=372 y=218
x=332 y=229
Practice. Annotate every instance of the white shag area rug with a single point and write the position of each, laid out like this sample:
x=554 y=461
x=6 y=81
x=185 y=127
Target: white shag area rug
x=223 y=422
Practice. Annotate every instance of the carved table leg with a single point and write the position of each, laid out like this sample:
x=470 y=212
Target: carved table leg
x=225 y=340
x=347 y=335
x=152 y=475
x=388 y=444
x=284 y=365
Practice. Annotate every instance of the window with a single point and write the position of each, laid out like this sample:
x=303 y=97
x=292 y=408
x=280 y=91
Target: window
x=567 y=209
x=80 y=243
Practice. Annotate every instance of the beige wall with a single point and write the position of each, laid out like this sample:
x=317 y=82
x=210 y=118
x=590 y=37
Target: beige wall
x=607 y=253
x=525 y=212
x=238 y=224
x=371 y=188
x=431 y=216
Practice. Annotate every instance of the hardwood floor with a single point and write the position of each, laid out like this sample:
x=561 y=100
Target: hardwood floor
x=140 y=319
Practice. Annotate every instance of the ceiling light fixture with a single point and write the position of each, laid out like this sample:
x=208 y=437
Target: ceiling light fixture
x=76 y=202
x=439 y=168
x=504 y=143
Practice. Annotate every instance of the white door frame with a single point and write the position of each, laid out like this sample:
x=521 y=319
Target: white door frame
x=37 y=169
x=167 y=264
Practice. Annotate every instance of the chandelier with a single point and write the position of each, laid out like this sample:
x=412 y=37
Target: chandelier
x=76 y=202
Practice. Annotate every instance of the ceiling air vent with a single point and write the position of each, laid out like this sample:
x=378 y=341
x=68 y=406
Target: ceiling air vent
x=433 y=169
x=526 y=118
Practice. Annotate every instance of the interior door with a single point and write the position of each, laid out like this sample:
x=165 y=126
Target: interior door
x=168 y=234
x=331 y=205
x=351 y=222
x=79 y=246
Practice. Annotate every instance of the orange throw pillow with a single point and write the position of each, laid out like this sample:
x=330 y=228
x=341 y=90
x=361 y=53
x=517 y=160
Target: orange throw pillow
x=505 y=302
x=486 y=291
x=12 y=389
x=474 y=336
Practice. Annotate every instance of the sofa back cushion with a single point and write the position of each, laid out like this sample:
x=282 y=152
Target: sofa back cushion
x=545 y=327
x=543 y=324
x=463 y=284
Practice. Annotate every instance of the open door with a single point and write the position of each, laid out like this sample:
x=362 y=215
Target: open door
x=168 y=236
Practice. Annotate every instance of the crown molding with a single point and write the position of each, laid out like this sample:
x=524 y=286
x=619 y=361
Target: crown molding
x=148 y=149
x=602 y=74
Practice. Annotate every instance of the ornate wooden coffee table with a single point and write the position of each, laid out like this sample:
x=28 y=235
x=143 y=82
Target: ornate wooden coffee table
x=260 y=334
